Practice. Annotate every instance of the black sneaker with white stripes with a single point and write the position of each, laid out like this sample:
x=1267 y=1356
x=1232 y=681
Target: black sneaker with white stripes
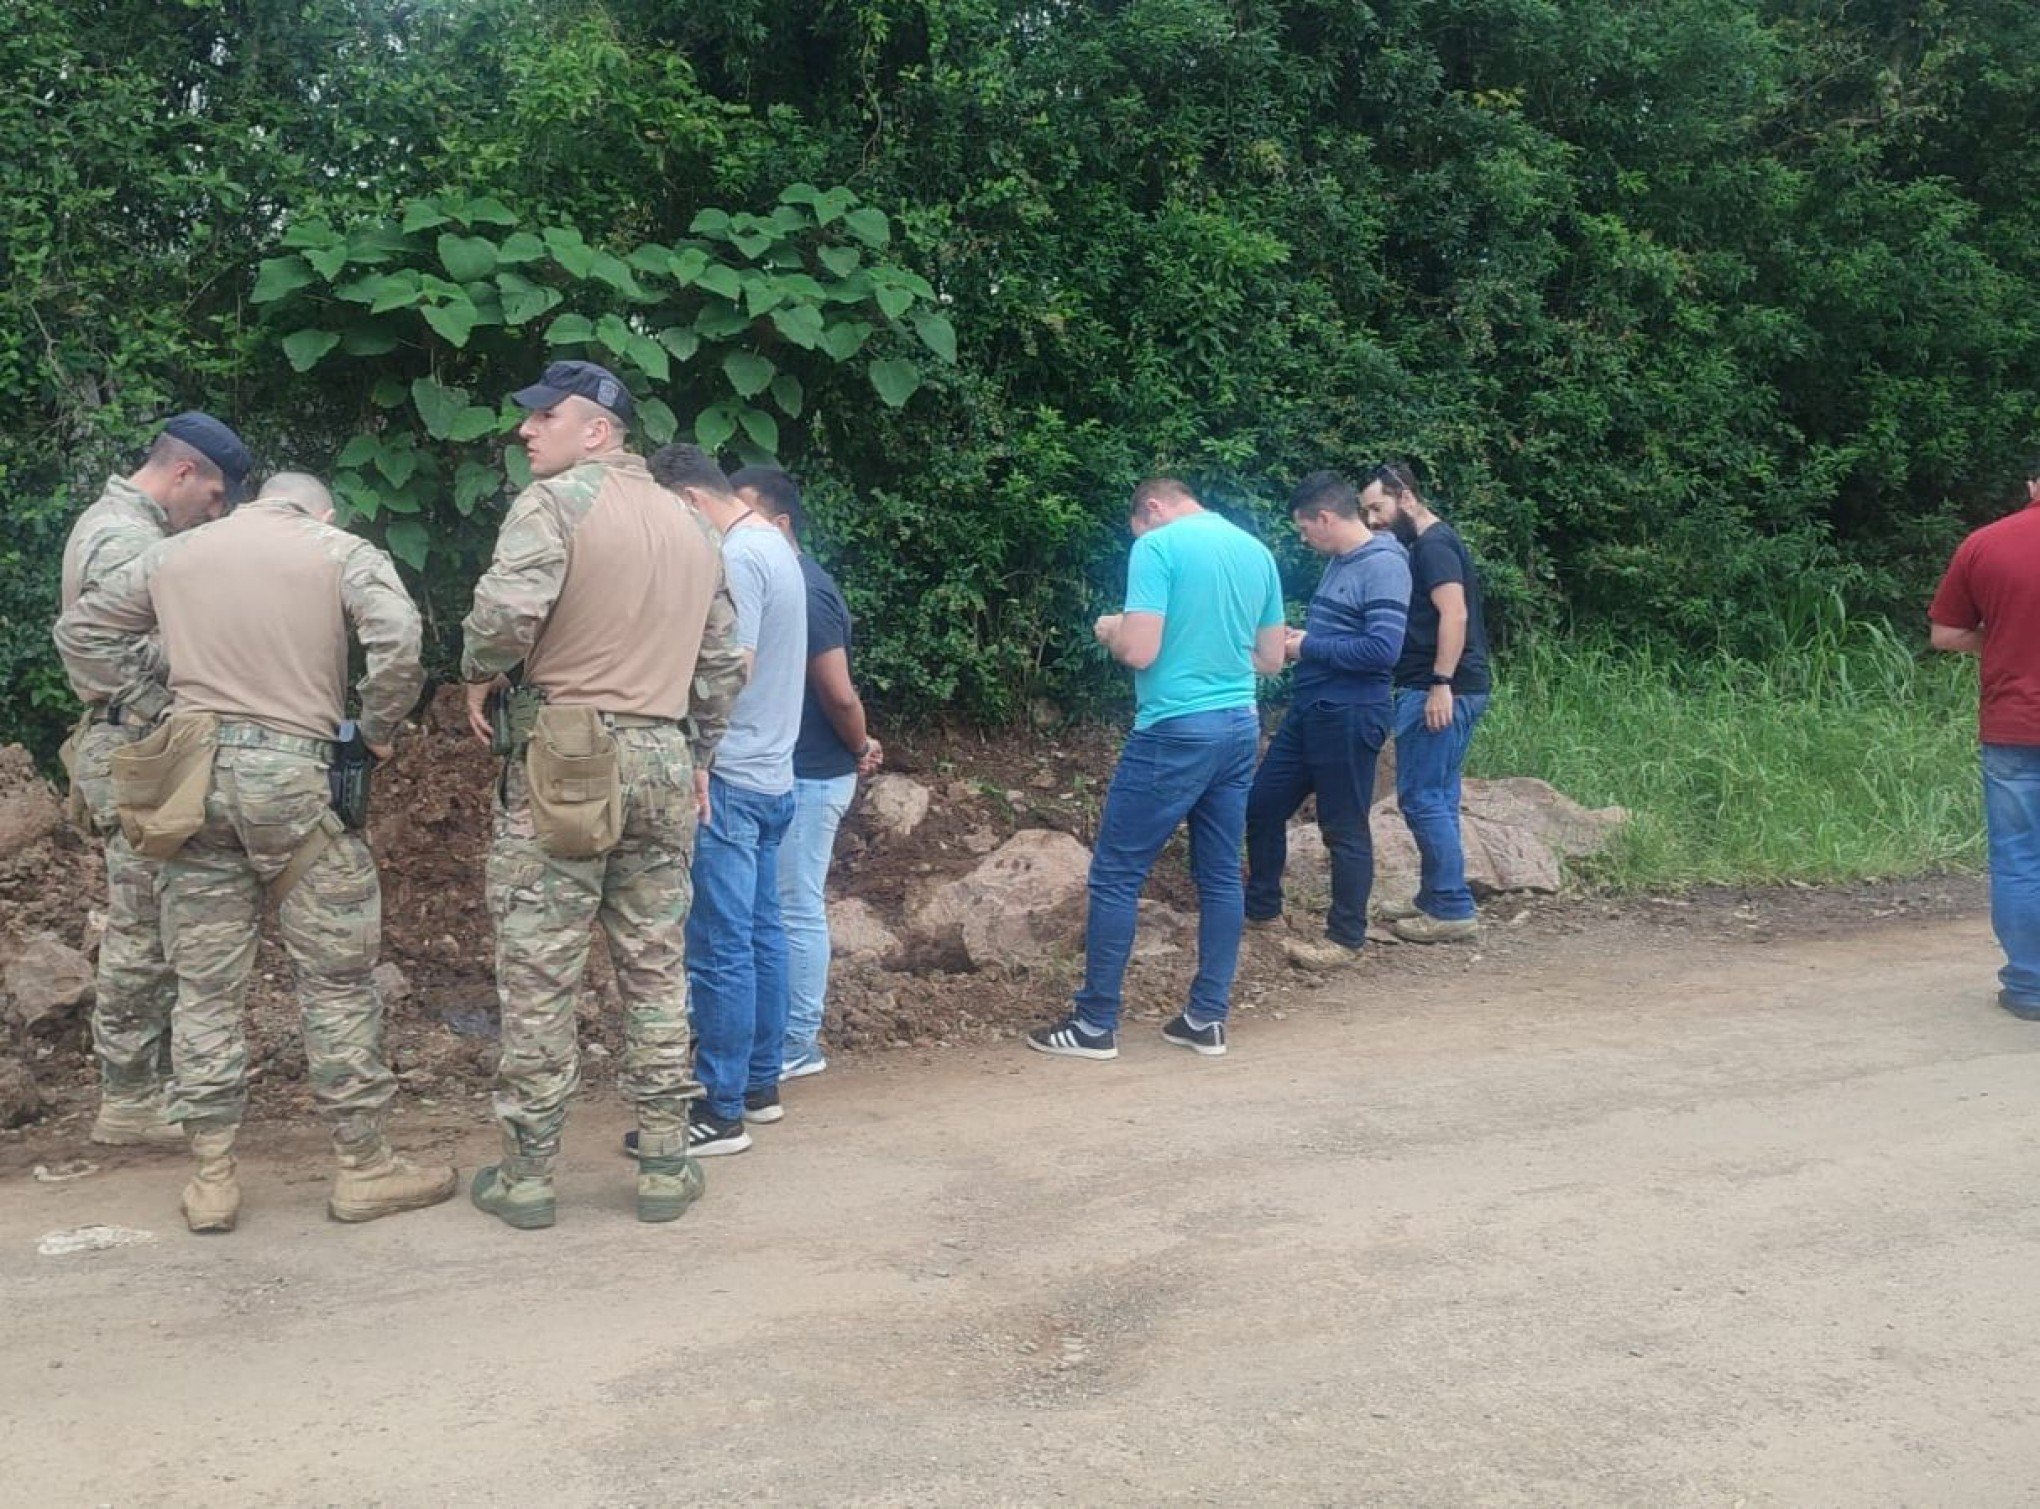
x=1072 y=1039
x=709 y=1136
x=1208 y=1039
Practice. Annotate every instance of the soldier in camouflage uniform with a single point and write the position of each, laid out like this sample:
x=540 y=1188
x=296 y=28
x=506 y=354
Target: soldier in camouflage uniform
x=194 y=466
x=253 y=616
x=609 y=590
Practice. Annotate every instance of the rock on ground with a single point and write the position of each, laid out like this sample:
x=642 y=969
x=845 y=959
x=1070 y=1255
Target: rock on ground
x=19 y=1100
x=856 y=931
x=29 y=809
x=1516 y=831
x=1023 y=903
x=45 y=982
x=895 y=805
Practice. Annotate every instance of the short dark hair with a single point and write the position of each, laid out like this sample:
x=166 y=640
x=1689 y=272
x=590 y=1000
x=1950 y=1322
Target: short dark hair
x=1325 y=492
x=677 y=466
x=777 y=492
x=1395 y=478
x=1157 y=488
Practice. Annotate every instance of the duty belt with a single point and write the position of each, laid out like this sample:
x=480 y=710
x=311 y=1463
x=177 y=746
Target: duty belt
x=255 y=736
x=638 y=720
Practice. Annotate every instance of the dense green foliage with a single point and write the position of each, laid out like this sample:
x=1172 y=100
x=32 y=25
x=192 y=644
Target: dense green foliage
x=1696 y=312
x=1840 y=756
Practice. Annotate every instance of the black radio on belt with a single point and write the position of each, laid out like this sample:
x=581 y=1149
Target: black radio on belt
x=348 y=775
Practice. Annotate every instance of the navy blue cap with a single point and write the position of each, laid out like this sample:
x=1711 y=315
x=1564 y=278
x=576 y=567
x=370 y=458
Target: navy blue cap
x=578 y=380
x=214 y=441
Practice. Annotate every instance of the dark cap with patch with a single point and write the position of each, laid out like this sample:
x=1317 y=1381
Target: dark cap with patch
x=598 y=385
x=214 y=441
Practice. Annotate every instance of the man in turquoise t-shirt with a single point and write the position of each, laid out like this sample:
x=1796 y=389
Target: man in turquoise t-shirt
x=1203 y=614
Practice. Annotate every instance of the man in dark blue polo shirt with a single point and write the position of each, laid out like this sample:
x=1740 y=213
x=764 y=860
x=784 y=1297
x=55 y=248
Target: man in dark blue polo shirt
x=1338 y=719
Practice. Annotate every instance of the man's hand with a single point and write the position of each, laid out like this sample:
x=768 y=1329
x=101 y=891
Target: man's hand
x=478 y=693
x=1438 y=709
x=872 y=758
x=701 y=812
x=1292 y=645
x=384 y=753
x=1106 y=629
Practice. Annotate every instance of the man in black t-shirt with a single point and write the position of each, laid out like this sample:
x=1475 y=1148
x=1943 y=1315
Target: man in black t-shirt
x=833 y=750
x=1441 y=689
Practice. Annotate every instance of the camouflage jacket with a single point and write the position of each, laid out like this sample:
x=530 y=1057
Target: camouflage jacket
x=226 y=604
x=515 y=599
x=122 y=523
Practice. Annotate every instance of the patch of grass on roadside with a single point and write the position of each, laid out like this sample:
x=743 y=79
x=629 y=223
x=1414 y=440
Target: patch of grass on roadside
x=1851 y=758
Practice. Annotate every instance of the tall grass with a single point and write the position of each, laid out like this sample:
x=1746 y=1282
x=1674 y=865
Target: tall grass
x=1849 y=756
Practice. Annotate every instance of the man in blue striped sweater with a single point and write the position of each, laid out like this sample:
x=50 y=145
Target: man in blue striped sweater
x=1340 y=712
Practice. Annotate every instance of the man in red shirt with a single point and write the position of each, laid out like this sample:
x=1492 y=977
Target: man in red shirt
x=1989 y=605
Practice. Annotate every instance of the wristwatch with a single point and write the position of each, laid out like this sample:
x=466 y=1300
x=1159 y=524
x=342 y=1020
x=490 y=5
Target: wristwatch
x=1440 y=680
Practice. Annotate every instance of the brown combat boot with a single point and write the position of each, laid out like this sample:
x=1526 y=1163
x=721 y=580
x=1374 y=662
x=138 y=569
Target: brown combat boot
x=134 y=1123
x=212 y=1200
x=373 y=1181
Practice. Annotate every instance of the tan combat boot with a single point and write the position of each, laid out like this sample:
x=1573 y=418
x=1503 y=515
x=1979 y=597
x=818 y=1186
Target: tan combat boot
x=1320 y=954
x=134 y=1123
x=212 y=1200
x=1396 y=911
x=1424 y=928
x=668 y=1181
x=373 y=1181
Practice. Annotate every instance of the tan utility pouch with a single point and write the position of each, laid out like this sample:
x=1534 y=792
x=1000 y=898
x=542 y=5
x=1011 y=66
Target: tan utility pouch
x=160 y=783
x=576 y=783
x=76 y=808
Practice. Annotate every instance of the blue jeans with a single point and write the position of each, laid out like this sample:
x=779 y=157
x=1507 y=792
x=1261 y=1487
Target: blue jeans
x=1328 y=748
x=818 y=808
x=736 y=949
x=1195 y=768
x=1427 y=767
x=2011 y=816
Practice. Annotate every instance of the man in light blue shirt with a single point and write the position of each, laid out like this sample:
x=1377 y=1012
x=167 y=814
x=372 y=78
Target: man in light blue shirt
x=1203 y=614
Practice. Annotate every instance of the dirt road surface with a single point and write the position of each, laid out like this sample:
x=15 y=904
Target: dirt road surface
x=1753 y=1226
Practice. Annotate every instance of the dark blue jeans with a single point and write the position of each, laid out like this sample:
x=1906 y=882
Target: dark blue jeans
x=1193 y=769
x=736 y=948
x=1427 y=767
x=2011 y=812
x=1327 y=748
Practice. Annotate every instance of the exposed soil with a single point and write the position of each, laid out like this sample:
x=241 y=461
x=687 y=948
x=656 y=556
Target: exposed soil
x=431 y=830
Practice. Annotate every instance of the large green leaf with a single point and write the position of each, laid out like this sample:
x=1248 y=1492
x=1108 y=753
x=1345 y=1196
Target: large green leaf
x=761 y=292
x=437 y=405
x=524 y=300
x=937 y=334
x=375 y=338
x=569 y=330
x=358 y=452
x=397 y=290
x=303 y=348
x=473 y=422
x=409 y=543
x=613 y=332
x=683 y=343
x=748 y=372
x=422 y=215
x=454 y=320
x=607 y=267
x=722 y=281
x=832 y=205
x=843 y=341
x=894 y=301
x=762 y=428
x=869 y=226
x=520 y=247
x=840 y=260
x=487 y=210
x=279 y=277
x=466 y=258
x=687 y=265
x=718 y=320
x=660 y=422
x=786 y=392
x=308 y=235
x=895 y=379
x=715 y=224
x=327 y=260
x=472 y=483
x=574 y=255
x=714 y=425
x=801 y=324
x=650 y=357
x=518 y=465
x=396 y=460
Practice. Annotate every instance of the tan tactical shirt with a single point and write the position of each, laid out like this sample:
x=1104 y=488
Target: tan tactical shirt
x=254 y=612
x=609 y=589
x=120 y=525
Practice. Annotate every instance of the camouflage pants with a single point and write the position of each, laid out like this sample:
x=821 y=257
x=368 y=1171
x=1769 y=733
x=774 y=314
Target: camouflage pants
x=135 y=991
x=639 y=891
x=269 y=791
